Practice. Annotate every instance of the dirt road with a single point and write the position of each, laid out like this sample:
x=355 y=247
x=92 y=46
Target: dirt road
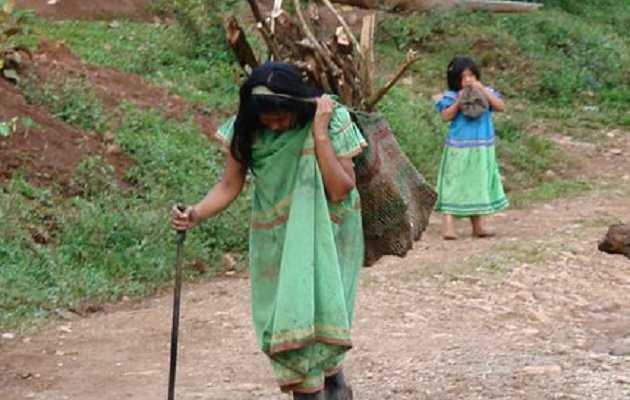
x=535 y=313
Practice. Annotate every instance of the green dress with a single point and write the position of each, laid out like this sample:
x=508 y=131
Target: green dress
x=469 y=182
x=305 y=253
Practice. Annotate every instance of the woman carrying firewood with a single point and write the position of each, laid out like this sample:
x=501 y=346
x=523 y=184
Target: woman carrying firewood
x=306 y=240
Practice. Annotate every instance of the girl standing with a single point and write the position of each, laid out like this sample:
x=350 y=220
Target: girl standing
x=469 y=183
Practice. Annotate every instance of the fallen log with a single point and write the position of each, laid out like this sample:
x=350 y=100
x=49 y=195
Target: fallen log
x=429 y=5
x=500 y=6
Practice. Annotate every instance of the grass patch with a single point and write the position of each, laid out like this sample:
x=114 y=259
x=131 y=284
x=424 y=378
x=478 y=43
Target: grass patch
x=550 y=190
x=74 y=101
x=104 y=242
x=153 y=51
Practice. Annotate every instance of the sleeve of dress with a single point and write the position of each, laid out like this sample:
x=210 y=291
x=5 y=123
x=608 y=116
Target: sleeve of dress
x=345 y=135
x=447 y=100
x=225 y=132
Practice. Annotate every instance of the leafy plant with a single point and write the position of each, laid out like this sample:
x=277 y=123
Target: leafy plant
x=202 y=23
x=10 y=126
x=13 y=22
x=92 y=176
x=74 y=101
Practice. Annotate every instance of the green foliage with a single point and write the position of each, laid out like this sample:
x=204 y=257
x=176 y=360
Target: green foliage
x=202 y=23
x=13 y=24
x=613 y=13
x=10 y=126
x=573 y=65
x=175 y=163
x=525 y=157
x=74 y=101
x=107 y=242
x=544 y=57
x=418 y=128
x=153 y=51
x=93 y=177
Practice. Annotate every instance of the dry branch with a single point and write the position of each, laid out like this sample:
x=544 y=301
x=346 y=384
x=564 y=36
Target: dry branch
x=239 y=44
x=345 y=27
x=367 y=46
x=410 y=59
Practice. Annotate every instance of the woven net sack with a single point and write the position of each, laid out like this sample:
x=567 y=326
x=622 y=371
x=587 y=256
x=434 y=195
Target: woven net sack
x=396 y=200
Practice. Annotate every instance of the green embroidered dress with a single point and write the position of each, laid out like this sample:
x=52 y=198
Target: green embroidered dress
x=305 y=253
x=469 y=182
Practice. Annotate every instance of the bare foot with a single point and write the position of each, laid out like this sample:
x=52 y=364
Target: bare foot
x=448 y=229
x=477 y=228
x=484 y=234
x=449 y=234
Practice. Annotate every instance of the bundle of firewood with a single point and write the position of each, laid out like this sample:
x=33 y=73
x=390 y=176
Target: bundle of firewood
x=337 y=62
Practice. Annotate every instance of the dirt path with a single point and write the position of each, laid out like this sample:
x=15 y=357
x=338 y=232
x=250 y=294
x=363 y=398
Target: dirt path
x=535 y=313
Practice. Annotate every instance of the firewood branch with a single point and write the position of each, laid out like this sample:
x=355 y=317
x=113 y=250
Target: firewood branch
x=409 y=60
x=307 y=31
x=346 y=28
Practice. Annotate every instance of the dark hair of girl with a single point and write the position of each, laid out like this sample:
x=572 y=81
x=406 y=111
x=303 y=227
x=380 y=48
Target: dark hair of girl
x=279 y=78
x=456 y=68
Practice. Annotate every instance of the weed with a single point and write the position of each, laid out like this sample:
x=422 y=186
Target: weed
x=202 y=23
x=156 y=52
x=93 y=176
x=74 y=101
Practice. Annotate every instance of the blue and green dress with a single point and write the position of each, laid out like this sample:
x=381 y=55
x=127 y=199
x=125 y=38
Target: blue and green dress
x=469 y=182
x=305 y=253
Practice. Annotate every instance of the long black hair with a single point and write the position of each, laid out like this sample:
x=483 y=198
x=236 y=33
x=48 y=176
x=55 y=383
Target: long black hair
x=456 y=68
x=282 y=79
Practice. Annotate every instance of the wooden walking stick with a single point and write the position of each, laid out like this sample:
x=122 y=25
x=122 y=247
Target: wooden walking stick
x=181 y=237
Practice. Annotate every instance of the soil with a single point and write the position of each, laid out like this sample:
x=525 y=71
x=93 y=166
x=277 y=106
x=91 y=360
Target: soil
x=90 y=10
x=536 y=312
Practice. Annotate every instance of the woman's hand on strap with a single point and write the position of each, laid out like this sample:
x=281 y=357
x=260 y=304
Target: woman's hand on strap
x=323 y=114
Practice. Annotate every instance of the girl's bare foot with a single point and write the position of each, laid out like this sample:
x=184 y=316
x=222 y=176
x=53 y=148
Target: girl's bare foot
x=449 y=236
x=448 y=228
x=484 y=234
x=478 y=230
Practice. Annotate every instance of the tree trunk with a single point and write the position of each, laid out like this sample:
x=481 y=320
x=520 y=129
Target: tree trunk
x=367 y=4
x=427 y=5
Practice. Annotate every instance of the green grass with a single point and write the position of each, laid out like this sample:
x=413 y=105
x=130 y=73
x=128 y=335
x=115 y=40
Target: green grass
x=159 y=53
x=105 y=241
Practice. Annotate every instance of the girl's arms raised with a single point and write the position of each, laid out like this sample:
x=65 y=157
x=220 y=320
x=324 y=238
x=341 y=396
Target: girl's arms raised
x=495 y=101
x=449 y=113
